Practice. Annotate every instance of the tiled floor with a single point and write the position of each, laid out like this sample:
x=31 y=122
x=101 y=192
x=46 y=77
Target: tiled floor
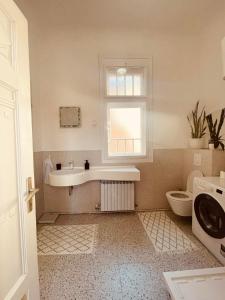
x=164 y=233
x=67 y=239
x=125 y=264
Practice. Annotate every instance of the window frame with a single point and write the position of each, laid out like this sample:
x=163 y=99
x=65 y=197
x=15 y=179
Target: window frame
x=146 y=98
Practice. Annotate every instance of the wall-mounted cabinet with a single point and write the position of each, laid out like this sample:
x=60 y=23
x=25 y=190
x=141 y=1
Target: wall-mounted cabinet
x=223 y=56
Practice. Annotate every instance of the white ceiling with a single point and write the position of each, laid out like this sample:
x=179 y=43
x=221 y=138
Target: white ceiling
x=163 y=15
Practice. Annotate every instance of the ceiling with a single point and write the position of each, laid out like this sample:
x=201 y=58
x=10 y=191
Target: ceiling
x=163 y=15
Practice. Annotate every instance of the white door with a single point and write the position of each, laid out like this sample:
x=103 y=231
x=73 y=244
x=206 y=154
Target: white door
x=18 y=251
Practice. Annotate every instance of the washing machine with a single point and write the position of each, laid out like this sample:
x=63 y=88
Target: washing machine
x=208 y=214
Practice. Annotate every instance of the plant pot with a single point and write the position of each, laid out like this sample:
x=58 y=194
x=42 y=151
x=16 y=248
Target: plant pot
x=196 y=143
x=211 y=146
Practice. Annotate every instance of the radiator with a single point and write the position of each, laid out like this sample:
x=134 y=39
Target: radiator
x=117 y=195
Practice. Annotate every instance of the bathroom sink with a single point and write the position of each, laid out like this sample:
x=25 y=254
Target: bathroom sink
x=67 y=171
x=77 y=175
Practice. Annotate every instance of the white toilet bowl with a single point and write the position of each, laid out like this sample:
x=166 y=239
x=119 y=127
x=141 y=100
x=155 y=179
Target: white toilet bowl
x=181 y=201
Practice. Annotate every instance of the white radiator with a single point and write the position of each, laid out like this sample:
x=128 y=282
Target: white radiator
x=117 y=195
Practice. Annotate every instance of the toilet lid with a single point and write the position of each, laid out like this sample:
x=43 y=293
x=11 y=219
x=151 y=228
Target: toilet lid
x=190 y=180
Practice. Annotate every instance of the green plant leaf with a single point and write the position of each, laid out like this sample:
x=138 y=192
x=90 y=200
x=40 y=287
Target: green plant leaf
x=222 y=145
x=222 y=116
x=197 y=121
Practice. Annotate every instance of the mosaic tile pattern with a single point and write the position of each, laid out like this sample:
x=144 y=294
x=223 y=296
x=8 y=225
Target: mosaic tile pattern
x=124 y=266
x=164 y=233
x=67 y=239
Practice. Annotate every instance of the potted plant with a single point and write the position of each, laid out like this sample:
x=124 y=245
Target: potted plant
x=197 y=122
x=216 y=139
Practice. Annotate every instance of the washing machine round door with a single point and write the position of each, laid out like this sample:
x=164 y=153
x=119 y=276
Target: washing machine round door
x=210 y=215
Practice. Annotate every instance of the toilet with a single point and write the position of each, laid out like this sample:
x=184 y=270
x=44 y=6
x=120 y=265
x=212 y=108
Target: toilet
x=181 y=201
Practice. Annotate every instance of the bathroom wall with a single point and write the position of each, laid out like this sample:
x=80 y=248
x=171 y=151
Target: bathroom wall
x=64 y=64
x=212 y=85
x=169 y=171
x=69 y=75
x=64 y=55
x=210 y=162
x=164 y=174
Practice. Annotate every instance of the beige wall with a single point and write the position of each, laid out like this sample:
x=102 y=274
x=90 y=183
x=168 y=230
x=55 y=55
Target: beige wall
x=212 y=162
x=64 y=64
x=212 y=85
x=66 y=40
x=70 y=76
x=169 y=171
x=164 y=174
x=159 y=177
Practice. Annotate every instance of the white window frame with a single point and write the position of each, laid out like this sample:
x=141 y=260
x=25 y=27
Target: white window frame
x=145 y=100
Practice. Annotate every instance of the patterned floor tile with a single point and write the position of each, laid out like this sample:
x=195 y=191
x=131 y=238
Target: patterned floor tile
x=67 y=239
x=164 y=233
x=124 y=265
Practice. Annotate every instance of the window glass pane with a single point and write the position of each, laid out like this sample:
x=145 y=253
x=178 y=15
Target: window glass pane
x=121 y=85
x=125 y=81
x=125 y=132
x=137 y=85
x=137 y=146
x=129 y=85
x=111 y=85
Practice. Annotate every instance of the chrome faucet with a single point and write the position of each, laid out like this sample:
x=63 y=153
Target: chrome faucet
x=71 y=164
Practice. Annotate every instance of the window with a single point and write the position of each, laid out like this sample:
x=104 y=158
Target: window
x=126 y=129
x=126 y=101
x=123 y=81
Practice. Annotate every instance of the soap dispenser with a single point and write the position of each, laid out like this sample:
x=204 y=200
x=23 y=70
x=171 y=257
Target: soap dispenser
x=86 y=165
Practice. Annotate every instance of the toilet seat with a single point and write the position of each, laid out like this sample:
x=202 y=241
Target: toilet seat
x=181 y=201
x=180 y=195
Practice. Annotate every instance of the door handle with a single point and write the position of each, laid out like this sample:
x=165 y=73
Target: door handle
x=31 y=193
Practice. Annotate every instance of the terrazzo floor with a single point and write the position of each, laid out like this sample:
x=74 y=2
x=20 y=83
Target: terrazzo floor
x=124 y=265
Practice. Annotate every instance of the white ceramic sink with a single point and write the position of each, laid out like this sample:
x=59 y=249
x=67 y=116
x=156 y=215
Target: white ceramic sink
x=76 y=176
